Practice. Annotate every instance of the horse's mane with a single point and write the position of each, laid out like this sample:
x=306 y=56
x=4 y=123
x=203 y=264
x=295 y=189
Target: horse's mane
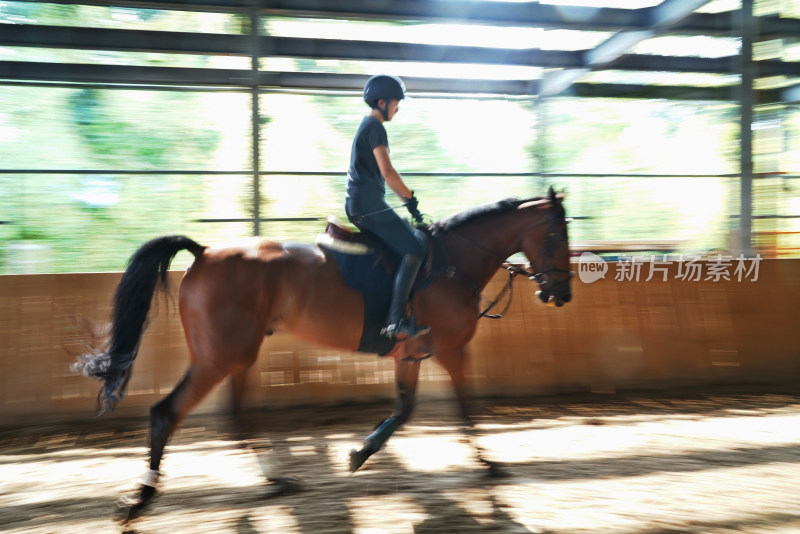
x=461 y=218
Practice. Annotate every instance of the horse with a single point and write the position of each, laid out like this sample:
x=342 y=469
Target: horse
x=229 y=298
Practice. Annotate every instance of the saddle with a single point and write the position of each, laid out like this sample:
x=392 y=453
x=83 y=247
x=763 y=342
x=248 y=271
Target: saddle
x=343 y=240
x=368 y=266
x=340 y=238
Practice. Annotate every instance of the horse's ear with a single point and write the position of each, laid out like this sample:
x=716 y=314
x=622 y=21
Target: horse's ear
x=551 y=194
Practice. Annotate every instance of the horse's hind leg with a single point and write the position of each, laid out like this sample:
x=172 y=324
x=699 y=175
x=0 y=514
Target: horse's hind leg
x=454 y=362
x=407 y=376
x=277 y=485
x=238 y=387
x=165 y=416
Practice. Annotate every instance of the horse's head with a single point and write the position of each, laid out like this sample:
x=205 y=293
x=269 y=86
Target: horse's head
x=547 y=248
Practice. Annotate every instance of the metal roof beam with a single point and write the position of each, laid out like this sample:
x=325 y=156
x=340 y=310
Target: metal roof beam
x=134 y=75
x=660 y=17
x=614 y=47
x=224 y=44
x=671 y=92
x=216 y=6
x=489 y=13
x=671 y=12
x=415 y=85
x=20 y=71
x=791 y=95
x=492 y=13
x=386 y=51
x=777 y=27
x=123 y=74
x=123 y=40
x=215 y=44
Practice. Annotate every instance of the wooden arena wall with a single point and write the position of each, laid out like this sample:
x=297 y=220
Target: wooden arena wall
x=620 y=332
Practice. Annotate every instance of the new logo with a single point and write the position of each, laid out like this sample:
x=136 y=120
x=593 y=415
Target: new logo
x=591 y=267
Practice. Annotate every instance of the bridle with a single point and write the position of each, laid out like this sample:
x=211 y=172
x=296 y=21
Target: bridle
x=549 y=245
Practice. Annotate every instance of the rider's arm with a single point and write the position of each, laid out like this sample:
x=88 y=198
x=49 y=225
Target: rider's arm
x=392 y=177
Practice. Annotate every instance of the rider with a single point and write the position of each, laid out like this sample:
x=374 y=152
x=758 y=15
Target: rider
x=370 y=171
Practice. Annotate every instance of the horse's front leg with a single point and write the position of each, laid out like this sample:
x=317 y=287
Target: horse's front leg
x=406 y=376
x=454 y=362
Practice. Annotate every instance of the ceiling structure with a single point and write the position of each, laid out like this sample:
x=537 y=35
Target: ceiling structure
x=612 y=68
x=745 y=52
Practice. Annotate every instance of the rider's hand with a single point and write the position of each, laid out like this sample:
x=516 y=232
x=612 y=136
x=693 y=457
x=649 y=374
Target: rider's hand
x=411 y=205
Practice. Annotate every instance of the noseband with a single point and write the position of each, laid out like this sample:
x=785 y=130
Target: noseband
x=549 y=245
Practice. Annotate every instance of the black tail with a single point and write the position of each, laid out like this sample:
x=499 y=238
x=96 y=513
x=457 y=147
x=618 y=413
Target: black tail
x=146 y=268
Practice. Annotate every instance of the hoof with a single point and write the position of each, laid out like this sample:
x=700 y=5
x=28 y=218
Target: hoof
x=495 y=471
x=357 y=459
x=283 y=486
x=129 y=508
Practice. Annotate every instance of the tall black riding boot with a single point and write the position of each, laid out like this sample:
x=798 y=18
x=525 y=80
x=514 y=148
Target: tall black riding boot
x=397 y=324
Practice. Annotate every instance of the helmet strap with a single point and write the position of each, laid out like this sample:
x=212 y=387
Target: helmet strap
x=384 y=110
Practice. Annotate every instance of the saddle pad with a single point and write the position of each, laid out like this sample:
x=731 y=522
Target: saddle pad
x=363 y=272
x=340 y=245
x=367 y=274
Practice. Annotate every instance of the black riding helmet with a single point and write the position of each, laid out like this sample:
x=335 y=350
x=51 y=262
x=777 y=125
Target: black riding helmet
x=386 y=87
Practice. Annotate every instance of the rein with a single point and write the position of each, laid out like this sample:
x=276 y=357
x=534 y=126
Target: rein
x=358 y=218
x=513 y=271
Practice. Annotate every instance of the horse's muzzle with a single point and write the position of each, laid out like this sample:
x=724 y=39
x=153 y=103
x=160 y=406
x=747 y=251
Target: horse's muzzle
x=554 y=298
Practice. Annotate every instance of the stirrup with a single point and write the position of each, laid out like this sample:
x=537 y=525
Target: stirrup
x=407 y=331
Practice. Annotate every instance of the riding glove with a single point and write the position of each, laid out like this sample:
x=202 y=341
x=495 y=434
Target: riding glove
x=411 y=205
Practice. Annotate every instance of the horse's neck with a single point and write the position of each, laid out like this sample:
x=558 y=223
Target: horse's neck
x=479 y=248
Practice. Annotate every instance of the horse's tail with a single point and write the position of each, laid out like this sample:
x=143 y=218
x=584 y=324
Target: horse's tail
x=147 y=268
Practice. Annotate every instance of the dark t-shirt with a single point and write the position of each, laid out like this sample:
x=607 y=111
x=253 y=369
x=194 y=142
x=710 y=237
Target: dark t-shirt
x=366 y=186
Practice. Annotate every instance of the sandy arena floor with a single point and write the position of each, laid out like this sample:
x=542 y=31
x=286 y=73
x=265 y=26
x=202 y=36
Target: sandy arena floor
x=711 y=464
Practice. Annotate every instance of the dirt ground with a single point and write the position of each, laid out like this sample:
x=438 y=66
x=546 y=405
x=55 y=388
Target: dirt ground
x=711 y=463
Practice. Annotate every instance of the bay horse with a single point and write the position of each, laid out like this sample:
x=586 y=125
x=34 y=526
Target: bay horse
x=230 y=297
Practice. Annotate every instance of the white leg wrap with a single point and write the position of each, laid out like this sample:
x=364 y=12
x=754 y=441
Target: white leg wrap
x=269 y=464
x=150 y=478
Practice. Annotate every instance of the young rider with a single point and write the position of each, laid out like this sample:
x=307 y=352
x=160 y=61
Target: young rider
x=370 y=171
